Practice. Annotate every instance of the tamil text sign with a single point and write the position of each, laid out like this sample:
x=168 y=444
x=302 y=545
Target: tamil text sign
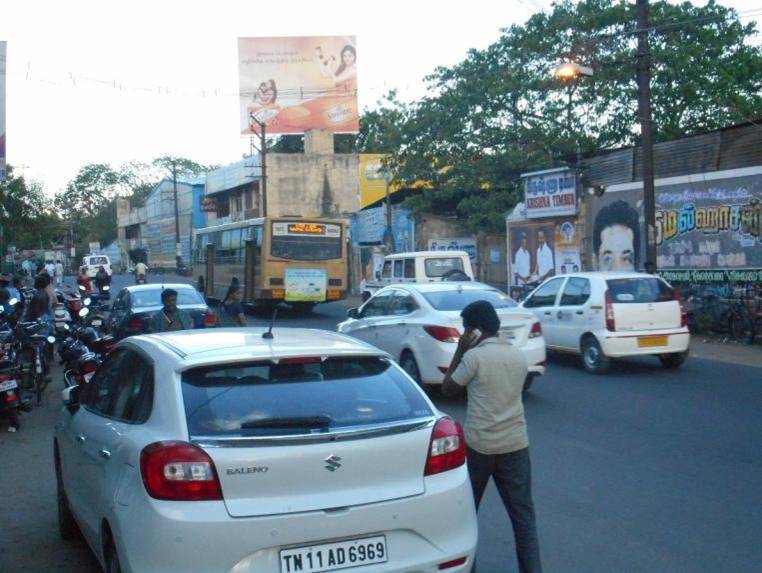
x=550 y=193
x=292 y=84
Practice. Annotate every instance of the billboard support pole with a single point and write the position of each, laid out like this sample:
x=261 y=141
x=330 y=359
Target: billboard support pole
x=646 y=133
x=262 y=133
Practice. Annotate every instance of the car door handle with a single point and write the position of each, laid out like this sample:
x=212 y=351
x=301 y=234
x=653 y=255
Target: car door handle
x=105 y=454
x=560 y=314
x=580 y=312
x=81 y=438
x=547 y=313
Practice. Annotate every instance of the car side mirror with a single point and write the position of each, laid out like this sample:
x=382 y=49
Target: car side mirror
x=378 y=275
x=353 y=313
x=70 y=398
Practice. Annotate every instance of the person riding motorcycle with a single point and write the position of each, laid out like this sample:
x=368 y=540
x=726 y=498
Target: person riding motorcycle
x=141 y=270
x=102 y=279
x=83 y=280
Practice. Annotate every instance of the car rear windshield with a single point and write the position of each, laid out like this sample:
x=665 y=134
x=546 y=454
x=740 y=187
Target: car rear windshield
x=295 y=397
x=457 y=299
x=95 y=261
x=640 y=290
x=439 y=266
x=152 y=297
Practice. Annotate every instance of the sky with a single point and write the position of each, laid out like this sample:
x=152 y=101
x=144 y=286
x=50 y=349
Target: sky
x=183 y=52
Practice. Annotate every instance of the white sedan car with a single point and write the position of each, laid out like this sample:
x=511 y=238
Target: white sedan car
x=420 y=324
x=227 y=451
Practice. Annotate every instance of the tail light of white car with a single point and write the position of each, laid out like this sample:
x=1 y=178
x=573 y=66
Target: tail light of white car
x=536 y=331
x=447 y=449
x=209 y=319
x=179 y=471
x=443 y=333
x=683 y=310
x=610 y=322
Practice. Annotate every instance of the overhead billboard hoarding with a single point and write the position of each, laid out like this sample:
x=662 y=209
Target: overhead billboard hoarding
x=3 y=68
x=550 y=193
x=292 y=84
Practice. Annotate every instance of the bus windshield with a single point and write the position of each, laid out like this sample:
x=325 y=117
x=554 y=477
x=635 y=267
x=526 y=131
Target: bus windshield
x=306 y=241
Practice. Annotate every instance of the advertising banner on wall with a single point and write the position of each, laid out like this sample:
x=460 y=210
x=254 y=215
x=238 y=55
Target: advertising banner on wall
x=467 y=244
x=550 y=193
x=369 y=227
x=566 y=247
x=292 y=84
x=708 y=227
x=3 y=61
x=531 y=252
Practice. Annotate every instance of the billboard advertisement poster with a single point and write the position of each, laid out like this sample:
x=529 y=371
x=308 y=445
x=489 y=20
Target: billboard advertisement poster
x=292 y=84
x=710 y=221
x=369 y=227
x=467 y=244
x=306 y=285
x=567 y=248
x=550 y=193
x=531 y=252
x=3 y=59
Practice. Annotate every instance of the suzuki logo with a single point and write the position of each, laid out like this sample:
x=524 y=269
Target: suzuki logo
x=332 y=463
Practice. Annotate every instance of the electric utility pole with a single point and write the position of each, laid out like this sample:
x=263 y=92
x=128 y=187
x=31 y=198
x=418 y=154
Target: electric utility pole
x=646 y=132
x=178 y=252
x=262 y=133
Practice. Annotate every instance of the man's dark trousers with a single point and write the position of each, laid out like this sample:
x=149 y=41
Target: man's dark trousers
x=513 y=479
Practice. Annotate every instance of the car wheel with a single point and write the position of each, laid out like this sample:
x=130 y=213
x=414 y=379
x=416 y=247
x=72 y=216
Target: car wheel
x=593 y=358
x=528 y=381
x=67 y=525
x=409 y=365
x=673 y=361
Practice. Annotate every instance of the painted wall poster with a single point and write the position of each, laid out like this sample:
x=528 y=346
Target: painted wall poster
x=567 y=247
x=531 y=252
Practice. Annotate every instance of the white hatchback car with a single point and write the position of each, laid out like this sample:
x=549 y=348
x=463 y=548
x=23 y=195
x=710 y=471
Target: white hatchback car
x=606 y=315
x=420 y=324
x=212 y=451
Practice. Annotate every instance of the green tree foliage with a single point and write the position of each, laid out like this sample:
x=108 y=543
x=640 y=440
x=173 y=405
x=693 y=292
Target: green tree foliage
x=26 y=215
x=501 y=112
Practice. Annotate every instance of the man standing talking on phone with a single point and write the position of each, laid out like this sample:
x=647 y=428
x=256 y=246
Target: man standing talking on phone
x=493 y=370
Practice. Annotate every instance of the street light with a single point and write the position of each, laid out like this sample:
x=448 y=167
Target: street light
x=570 y=70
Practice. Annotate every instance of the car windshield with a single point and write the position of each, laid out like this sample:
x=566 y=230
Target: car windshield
x=640 y=290
x=152 y=297
x=298 y=396
x=97 y=261
x=439 y=266
x=458 y=299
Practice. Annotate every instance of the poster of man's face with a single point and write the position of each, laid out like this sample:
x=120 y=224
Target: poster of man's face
x=531 y=252
x=616 y=237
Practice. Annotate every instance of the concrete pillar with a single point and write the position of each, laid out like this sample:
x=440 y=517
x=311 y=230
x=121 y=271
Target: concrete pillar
x=318 y=142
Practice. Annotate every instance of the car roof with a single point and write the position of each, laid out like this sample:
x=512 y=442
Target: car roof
x=610 y=275
x=219 y=345
x=441 y=286
x=427 y=254
x=162 y=286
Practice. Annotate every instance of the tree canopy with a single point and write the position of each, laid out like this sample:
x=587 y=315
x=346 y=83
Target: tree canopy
x=501 y=111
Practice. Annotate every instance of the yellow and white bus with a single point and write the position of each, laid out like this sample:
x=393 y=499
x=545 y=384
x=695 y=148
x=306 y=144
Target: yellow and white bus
x=297 y=260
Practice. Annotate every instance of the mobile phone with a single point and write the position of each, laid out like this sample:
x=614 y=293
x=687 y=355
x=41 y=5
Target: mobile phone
x=476 y=334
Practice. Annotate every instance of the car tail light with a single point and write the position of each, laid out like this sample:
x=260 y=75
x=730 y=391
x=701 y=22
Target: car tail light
x=447 y=449
x=10 y=396
x=610 y=322
x=209 y=319
x=135 y=324
x=683 y=310
x=333 y=294
x=179 y=471
x=451 y=564
x=4 y=377
x=536 y=331
x=443 y=333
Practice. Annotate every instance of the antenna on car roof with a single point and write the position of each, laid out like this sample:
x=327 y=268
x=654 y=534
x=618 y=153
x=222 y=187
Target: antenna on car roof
x=269 y=334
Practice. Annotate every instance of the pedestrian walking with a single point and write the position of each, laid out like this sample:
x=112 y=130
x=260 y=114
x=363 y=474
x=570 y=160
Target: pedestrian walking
x=59 y=273
x=170 y=318
x=497 y=445
x=231 y=309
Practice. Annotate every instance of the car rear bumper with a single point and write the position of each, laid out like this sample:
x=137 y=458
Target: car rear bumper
x=639 y=343
x=421 y=532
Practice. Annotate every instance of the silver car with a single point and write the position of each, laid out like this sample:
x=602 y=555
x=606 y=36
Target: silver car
x=225 y=450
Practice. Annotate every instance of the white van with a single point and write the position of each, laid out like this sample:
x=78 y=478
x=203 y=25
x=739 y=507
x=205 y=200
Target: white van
x=422 y=267
x=95 y=262
x=607 y=315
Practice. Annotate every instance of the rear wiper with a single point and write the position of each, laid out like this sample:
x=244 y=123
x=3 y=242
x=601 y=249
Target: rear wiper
x=307 y=422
